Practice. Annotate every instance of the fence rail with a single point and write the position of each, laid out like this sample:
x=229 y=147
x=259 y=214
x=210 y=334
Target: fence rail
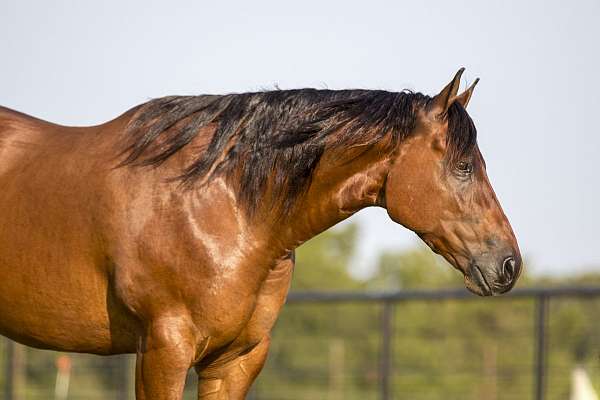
x=443 y=294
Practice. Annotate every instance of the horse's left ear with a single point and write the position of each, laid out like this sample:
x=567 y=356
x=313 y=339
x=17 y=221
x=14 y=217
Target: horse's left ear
x=444 y=99
x=465 y=96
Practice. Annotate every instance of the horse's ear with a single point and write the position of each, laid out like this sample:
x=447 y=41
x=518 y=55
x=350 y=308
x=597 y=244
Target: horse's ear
x=465 y=96
x=442 y=100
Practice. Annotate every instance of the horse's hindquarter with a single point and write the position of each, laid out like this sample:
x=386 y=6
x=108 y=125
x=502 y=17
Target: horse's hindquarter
x=53 y=273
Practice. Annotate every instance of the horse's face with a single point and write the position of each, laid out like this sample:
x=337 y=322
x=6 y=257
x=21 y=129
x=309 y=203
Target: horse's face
x=444 y=195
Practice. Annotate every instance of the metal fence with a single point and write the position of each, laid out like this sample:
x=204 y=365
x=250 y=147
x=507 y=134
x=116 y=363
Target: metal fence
x=388 y=301
x=36 y=374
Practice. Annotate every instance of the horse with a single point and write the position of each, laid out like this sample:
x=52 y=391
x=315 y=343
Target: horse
x=169 y=232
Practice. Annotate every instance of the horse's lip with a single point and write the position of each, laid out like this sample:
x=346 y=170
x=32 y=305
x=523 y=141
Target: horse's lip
x=481 y=281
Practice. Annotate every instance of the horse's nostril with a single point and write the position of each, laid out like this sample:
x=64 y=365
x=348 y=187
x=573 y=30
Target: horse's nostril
x=509 y=268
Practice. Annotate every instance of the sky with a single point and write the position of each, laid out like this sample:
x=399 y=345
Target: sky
x=536 y=108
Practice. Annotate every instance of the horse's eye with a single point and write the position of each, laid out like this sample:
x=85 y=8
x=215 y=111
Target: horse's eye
x=464 y=167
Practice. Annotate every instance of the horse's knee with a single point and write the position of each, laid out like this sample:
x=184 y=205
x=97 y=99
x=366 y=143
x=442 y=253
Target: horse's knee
x=210 y=388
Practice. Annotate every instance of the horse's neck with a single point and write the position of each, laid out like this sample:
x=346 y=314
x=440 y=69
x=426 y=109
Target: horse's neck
x=338 y=190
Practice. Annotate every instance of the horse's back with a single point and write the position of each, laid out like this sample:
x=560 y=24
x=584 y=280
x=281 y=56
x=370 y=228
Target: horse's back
x=8 y=114
x=24 y=137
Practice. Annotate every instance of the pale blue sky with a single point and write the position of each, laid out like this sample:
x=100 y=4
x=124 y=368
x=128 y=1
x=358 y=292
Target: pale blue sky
x=536 y=107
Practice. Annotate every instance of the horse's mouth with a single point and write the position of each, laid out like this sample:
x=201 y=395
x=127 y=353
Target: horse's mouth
x=475 y=281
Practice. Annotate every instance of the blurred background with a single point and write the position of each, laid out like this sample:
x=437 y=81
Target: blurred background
x=82 y=63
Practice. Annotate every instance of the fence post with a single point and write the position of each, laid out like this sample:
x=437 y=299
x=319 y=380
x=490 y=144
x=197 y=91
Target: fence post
x=9 y=370
x=541 y=316
x=122 y=365
x=386 y=350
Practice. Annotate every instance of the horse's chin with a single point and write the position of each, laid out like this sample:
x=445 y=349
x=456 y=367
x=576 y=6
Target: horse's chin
x=478 y=286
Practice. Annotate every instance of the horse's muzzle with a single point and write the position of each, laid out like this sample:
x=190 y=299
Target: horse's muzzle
x=493 y=280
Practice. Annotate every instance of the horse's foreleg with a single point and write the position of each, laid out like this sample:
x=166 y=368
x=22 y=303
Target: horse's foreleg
x=231 y=381
x=164 y=356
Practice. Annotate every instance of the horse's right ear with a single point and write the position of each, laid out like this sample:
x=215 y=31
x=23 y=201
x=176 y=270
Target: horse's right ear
x=443 y=100
x=465 y=96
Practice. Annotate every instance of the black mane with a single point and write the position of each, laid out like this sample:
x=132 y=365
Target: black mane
x=279 y=135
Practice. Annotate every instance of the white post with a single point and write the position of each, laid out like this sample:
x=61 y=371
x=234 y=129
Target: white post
x=63 y=376
x=581 y=385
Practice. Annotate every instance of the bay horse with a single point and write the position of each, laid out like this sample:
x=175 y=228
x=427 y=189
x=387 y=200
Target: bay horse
x=169 y=231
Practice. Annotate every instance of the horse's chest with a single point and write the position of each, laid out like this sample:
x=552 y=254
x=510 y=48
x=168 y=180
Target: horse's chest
x=231 y=338
x=244 y=319
x=232 y=303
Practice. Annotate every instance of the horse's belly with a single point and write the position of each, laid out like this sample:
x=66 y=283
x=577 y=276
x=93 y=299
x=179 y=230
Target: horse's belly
x=54 y=286
x=42 y=309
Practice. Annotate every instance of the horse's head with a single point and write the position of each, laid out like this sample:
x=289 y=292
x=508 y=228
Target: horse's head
x=438 y=187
